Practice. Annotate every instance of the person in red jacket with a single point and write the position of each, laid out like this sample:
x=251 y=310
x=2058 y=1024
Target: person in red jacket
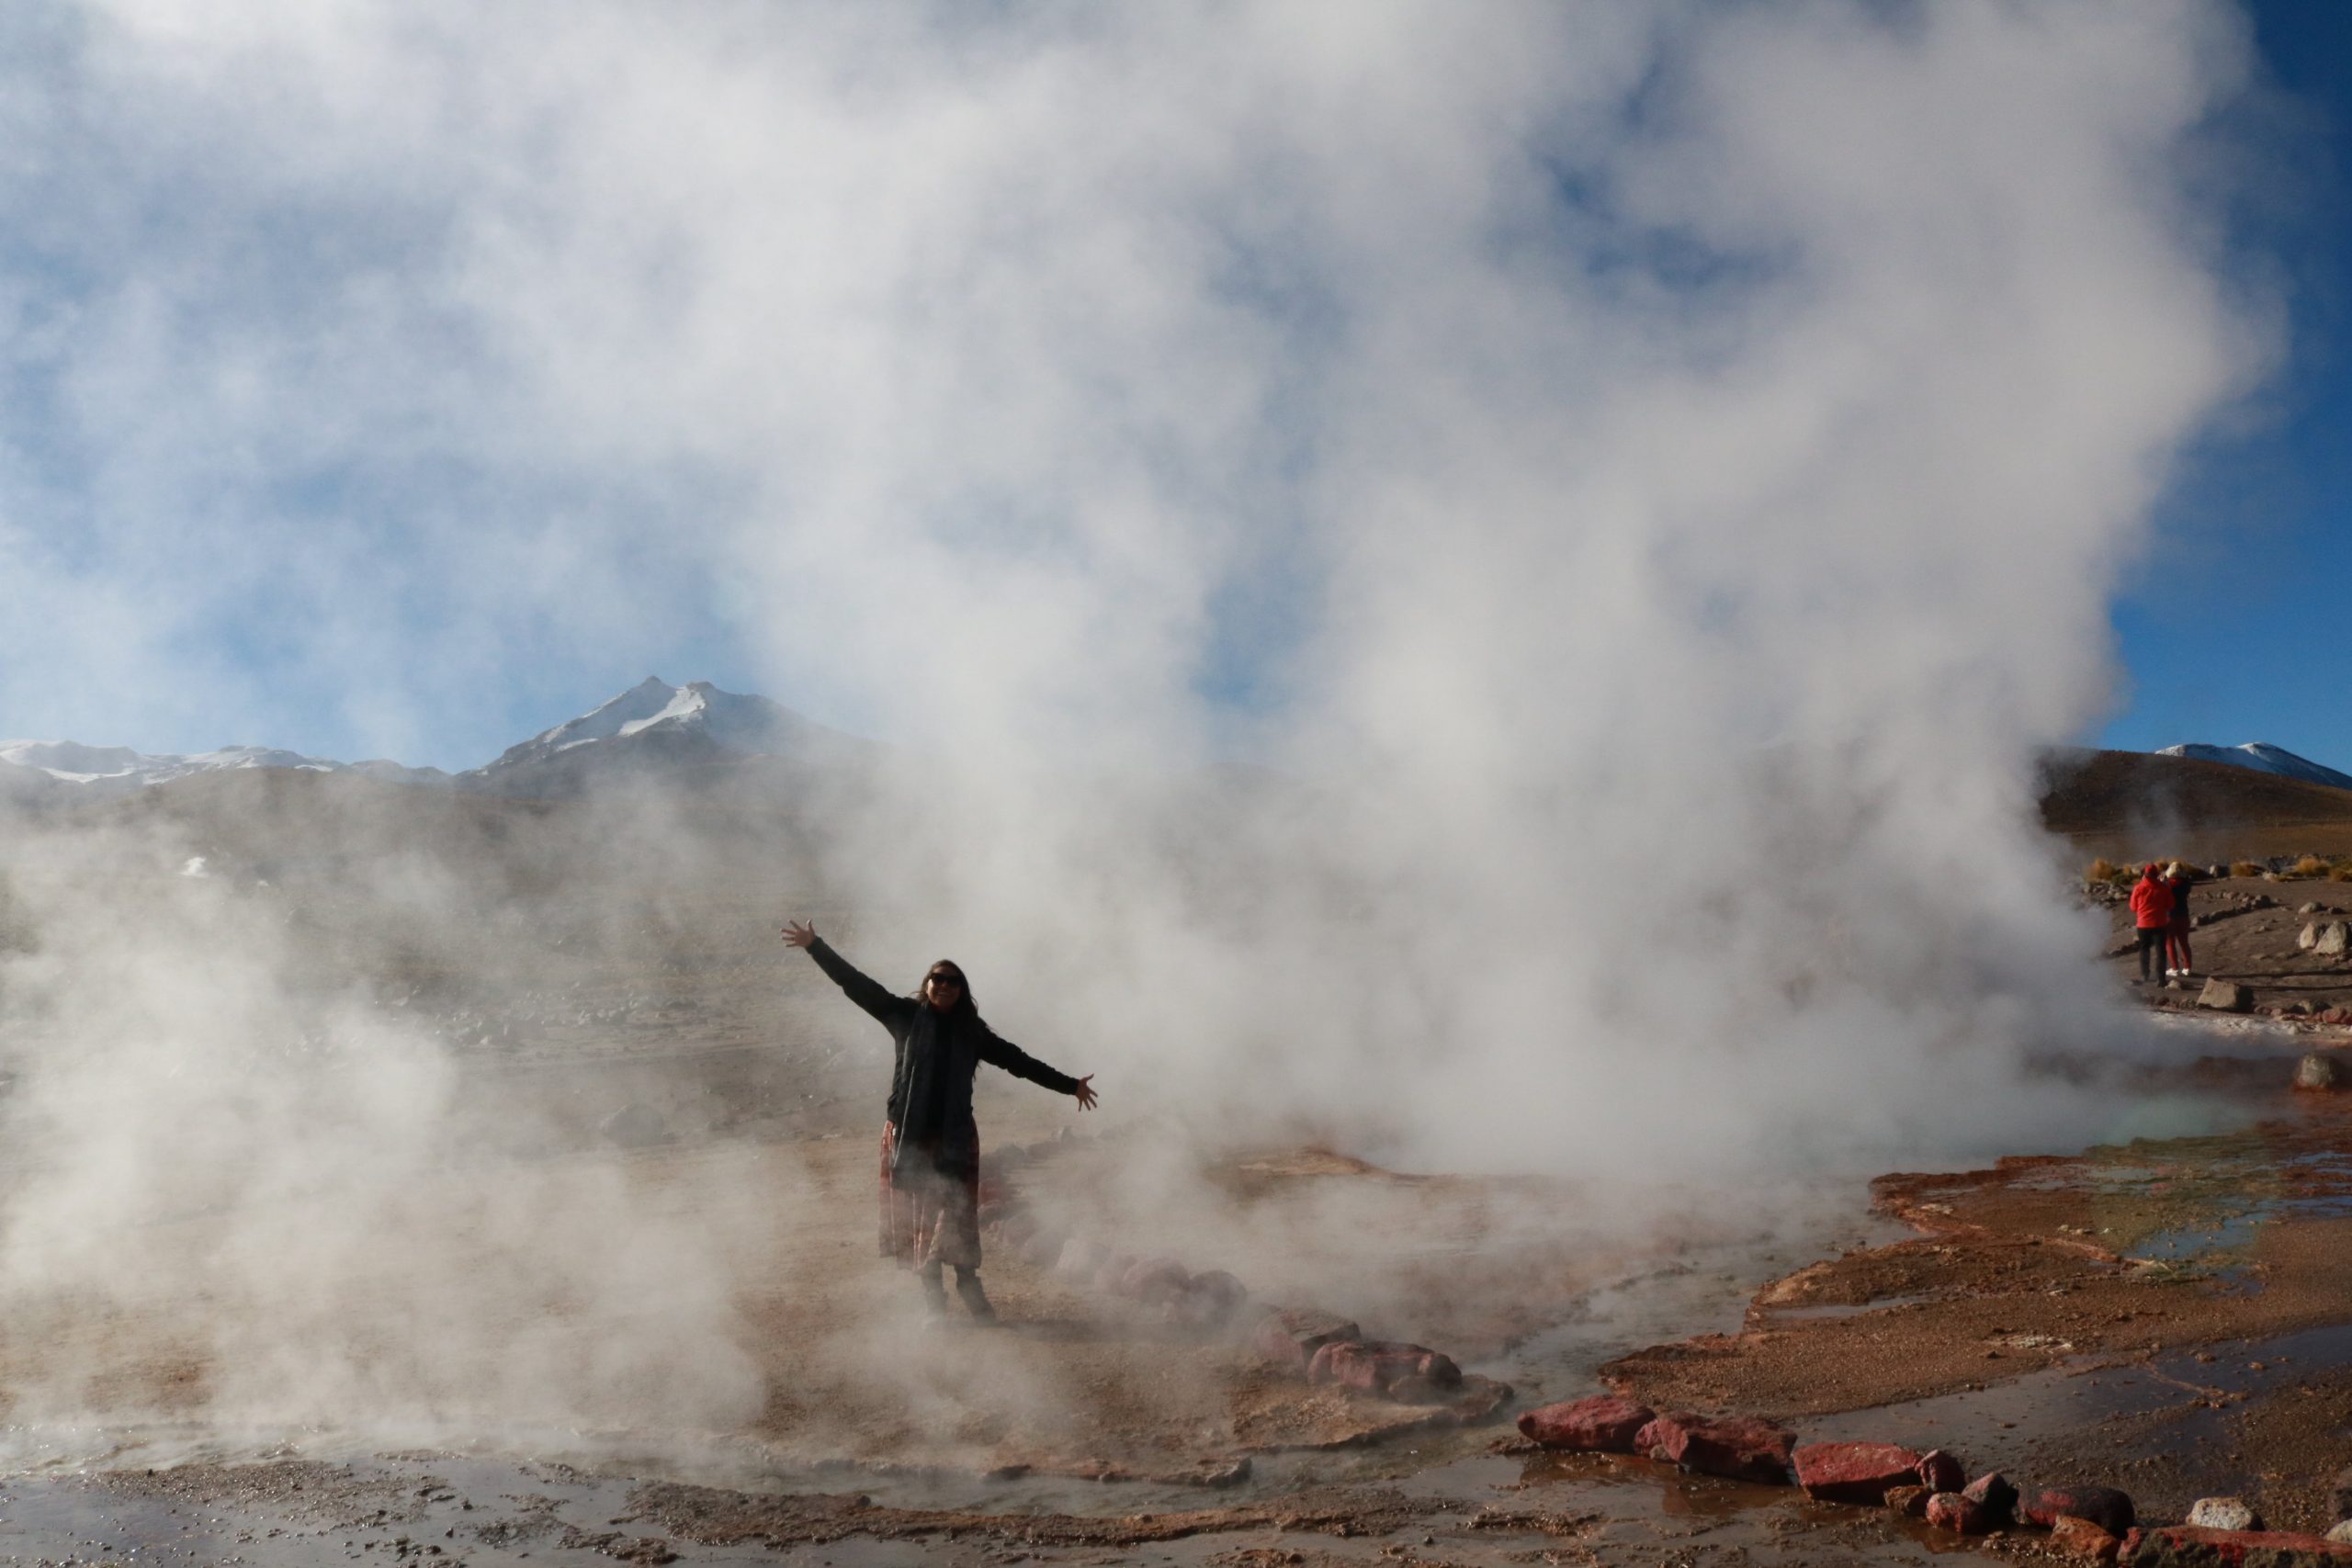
x=2178 y=878
x=2151 y=914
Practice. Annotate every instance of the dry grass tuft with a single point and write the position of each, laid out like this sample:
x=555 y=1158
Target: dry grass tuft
x=2105 y=870
x=2310 y=865
x=2342 y=873
x=2245 y=868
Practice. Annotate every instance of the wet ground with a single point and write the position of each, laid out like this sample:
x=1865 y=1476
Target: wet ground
x=2172 y=1315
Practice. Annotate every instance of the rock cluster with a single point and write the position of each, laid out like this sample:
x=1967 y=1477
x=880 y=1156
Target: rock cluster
x=2324 y=939
x=2091 y=1523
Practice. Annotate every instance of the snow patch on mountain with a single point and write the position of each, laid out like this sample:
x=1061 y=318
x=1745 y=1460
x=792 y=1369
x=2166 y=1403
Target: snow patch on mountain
x=2263 y=759
x=119 y=769
x=654 y=712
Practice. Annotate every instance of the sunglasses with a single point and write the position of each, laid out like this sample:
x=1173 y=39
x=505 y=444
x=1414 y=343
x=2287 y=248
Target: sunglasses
x=955 y=980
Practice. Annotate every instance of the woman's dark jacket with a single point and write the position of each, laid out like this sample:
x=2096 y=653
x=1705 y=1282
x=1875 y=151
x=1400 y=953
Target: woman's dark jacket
x=931 y=1084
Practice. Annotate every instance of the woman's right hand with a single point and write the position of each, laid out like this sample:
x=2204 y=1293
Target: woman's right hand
x=798 y=935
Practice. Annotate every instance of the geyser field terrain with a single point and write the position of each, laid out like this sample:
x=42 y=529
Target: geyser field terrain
x=527 y=1194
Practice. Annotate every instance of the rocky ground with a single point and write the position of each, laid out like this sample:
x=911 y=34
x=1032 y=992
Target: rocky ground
x=2251 y=932
x=2172 y=1318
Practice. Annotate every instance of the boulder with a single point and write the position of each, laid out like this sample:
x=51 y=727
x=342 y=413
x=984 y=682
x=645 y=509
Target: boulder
x=1385 y=1367
x=2339 y=1533
x=2226 y=995
x=1854 y=1473
x=1155 y=1281
x=2321 y=1071
x=2223 y=1514
x=2082 y=1541
x=2186 y=1546
x=1290 y=1336
x=2105 y=1506
x=2307 y=908
x=1960 y=1514
x=1941 y=1470
x=1602 y=1424
x=1911 y=1501
x=2335 y=937
x=1741 y=1447
x=1996 y=1492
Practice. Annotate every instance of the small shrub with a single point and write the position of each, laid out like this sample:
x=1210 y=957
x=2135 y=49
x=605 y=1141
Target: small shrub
x=2245 y=868
x=2310 y=865
x=2342 y=872
x=2103 y=870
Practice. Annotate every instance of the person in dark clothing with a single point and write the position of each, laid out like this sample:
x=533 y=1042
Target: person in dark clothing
x=931 y=1147
x=2150 y=915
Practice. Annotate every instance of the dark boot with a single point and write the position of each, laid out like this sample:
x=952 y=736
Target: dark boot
x=968 y=1285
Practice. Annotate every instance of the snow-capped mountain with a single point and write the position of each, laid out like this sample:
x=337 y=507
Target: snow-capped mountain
x=654 y=726
x=119 y=769
x=2263 y=759
x=650 y=728
x=751 y=725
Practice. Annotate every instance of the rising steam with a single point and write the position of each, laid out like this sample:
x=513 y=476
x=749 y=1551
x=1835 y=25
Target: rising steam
x=1493 y=582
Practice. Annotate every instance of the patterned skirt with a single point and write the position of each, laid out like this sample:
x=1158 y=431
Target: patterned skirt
x=929 y=1215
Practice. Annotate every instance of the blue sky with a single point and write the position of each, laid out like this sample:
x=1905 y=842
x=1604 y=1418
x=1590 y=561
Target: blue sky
x=405 y=378
x=2233 y=627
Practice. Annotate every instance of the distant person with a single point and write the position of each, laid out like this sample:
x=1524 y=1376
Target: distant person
x=2180 y=879
x=931 y=1147
x=2151 y=914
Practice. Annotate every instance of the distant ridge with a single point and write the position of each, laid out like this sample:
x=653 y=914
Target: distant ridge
x=2263 y=759
x=651 y=728
x=91 y=770
x=2133 y=804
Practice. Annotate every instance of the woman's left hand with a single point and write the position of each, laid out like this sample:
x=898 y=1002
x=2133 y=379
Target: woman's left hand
x=1084 y=1092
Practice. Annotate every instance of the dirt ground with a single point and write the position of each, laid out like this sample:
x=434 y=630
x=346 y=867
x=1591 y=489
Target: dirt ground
x=2173 y=1317
x=2248 y=935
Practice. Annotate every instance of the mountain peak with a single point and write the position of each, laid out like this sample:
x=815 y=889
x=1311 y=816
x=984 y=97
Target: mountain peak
x=654 y=717
x=2263 y=758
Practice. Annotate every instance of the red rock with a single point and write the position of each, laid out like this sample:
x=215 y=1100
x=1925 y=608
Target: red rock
x=1155 y=1281
x=1602 y=1424
x=2080 y=1538
x=1960 y=1513
x=1739 y=1447
x=1854 y=1473
x=2105 y=1506
x=1941 y=1471
x=1381 y=1366
x=1289 y=1337
x=1995 y=1491
x=2185 y=1546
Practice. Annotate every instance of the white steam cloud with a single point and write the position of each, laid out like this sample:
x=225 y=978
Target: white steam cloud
x=1642 y=480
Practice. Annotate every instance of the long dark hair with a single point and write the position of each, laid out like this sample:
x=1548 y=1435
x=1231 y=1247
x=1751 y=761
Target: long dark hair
x=947 y=968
